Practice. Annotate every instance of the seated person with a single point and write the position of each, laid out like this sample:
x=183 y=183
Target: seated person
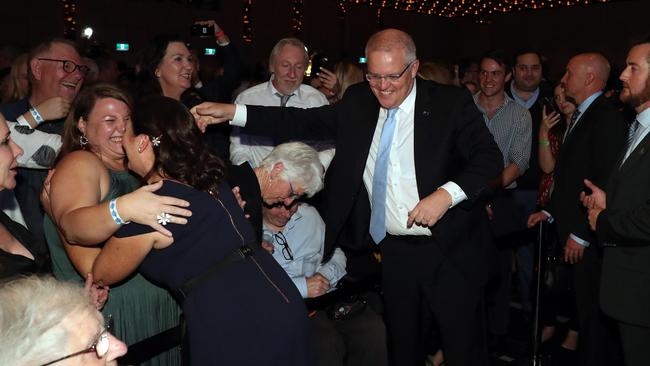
x=295 y=235
x=47 y=322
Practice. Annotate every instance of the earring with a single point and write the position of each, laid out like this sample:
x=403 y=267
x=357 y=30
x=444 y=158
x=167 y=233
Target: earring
x=83 y=140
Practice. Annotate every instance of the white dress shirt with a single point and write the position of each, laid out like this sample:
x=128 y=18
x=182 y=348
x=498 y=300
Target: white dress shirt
x=401 y=191
x=254 y=148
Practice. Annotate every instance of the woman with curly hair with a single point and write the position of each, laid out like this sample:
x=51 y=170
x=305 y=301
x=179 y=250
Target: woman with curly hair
x=240 y=306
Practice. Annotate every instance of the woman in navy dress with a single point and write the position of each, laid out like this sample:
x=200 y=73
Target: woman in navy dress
x=239 y=305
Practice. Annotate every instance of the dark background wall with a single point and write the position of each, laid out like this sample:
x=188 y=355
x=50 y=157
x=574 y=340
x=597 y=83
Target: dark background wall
x=557 y=33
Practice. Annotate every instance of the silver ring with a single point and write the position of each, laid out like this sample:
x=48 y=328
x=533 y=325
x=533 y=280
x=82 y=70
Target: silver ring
x=164 y=218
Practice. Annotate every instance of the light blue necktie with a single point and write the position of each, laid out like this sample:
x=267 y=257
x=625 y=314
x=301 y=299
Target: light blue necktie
x=380 y=179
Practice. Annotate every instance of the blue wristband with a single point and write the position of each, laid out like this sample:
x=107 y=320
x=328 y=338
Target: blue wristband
x=112 y=207
x=37 y=116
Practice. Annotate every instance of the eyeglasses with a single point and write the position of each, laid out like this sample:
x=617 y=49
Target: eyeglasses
x=281 y=204
x=282 y=241
x=100 y=346
x=69 y=66
x=391 y=78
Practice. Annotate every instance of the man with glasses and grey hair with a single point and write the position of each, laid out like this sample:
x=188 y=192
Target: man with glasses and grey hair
x=56 y=74
x=413 y=160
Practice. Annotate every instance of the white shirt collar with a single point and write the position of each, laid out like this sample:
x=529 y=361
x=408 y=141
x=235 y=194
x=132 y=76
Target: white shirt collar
x=273 y=90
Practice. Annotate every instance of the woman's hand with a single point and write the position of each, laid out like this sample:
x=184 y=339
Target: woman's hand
x=549 y=120
x=146 y=208
x=329 y=80
x=98 y=294
x=240 y=201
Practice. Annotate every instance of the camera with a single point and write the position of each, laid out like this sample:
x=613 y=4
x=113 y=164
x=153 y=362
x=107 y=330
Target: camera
x=201 y=30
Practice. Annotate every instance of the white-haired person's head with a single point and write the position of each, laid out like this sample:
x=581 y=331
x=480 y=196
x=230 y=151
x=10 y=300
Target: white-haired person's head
x=291 y=170
x=44 y=321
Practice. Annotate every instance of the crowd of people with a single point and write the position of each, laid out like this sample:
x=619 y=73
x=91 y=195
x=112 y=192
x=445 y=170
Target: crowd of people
x=363 y=215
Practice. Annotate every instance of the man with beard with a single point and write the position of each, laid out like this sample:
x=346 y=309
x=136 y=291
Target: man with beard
x=621 y=219
x=594 y=138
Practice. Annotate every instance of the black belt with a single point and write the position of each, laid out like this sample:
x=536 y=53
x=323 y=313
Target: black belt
x=236 y=255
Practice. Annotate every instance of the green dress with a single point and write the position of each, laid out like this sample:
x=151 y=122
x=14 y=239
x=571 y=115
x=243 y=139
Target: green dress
x=139 y=309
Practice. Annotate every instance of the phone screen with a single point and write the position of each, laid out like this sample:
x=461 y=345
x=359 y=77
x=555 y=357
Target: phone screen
x=550 y=106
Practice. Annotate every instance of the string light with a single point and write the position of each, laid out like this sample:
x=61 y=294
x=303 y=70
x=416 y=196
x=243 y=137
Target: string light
x=247 y=21
x=477 y=9
x=296 y=20
x=69 y=18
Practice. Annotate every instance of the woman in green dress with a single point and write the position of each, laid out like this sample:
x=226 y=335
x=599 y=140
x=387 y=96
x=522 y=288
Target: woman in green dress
x=91 y=194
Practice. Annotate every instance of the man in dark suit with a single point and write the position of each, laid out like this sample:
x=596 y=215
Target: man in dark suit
x=416 y=199
x=592 y=143
x=621 y=219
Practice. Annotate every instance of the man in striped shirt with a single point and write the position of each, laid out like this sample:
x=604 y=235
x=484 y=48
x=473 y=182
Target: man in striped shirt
x=510 y=124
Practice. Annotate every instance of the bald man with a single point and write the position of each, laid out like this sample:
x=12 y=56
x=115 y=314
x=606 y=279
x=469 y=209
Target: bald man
x=412 y=160
x=592 y=145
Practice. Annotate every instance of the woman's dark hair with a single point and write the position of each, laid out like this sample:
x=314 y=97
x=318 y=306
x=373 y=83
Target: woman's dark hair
x=81 y=108
x=150 y=58
x=182 y=154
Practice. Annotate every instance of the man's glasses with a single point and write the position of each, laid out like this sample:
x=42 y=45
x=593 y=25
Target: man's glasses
x=100 y=346
x=282 y=241
x=375 y=79
x=69 y=66
x=281 y=204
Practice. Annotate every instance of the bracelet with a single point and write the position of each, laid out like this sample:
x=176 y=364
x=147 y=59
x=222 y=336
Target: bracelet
x=544 y=143
x=37 y=116
x=112 y=208
x=219 y=34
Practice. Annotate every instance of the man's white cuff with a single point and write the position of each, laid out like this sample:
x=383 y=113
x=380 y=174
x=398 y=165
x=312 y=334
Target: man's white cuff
x=457 y=194
x=240 y=117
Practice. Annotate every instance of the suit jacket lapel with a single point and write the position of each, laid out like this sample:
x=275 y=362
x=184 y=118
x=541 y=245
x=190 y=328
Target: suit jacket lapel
x=638 y=153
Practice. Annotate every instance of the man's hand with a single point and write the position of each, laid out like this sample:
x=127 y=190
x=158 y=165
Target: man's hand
x=573 y=251
x=536 y=218
x=53 y=108
x=597 y=198
x=592 y=215
x=317 y=285
x=208 y=113
x=490 y=212
x=430 y=209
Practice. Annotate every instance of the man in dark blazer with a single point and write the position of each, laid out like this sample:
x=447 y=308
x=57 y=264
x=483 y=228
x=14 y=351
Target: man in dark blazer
x=434 y=246
x=621 y=219
x=592 y=144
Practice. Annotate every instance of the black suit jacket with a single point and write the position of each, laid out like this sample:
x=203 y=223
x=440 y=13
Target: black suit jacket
x=624 y=229
x=451 y=143
x=590 y=151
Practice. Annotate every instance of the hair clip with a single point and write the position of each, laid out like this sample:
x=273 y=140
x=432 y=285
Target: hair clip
x=155 y=141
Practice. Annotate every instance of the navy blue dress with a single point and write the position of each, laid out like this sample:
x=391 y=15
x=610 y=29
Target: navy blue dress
x=249 y=313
